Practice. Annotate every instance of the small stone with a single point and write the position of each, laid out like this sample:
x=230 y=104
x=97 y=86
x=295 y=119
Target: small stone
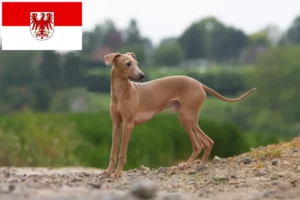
x=145 y=189
x=143 y=168
x=192 y=172
x=221 y=178
x=76 y=179
x=275 y=162
x=247 y=160
x=232 y=176
x=199 y=167
x=192 y=182
x=251 y=149
x=286 y=163
x=298 y=169
x=262 y=172
x=173 y=196
x=144 y=172
x=266 y=194
x=217 y=159
x=13 y=181
x=110 y=180
x=285 y=174
x=275 y=183
x=95 y=185
x=11 y=188
x=233 y=182
x=172 y=173
x=294 y=183
x=295 y=151
x=253 y=198
x=162 y=170
x=7 y=175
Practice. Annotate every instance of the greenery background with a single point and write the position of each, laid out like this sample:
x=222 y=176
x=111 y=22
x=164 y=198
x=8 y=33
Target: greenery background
x=54 y=106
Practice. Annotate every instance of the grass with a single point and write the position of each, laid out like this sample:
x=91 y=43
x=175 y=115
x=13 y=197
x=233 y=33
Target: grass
x=275 y=150
x=158 y=72
x=62 y=139
x=37 y=140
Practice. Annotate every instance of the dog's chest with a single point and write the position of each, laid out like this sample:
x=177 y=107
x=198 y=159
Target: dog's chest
x=142 y=117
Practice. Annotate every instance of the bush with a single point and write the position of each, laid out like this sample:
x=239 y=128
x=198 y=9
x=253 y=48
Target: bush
x=273 y=106
x=169 y=54
x=85 y=139
x=224 y=82
x=160 y=142
x=97 y=83
x=37 y=140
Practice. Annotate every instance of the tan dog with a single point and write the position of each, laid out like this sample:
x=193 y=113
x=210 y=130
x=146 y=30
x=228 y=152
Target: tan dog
x=135 y=103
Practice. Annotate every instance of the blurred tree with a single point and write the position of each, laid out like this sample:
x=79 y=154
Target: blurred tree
x=91 y=39
x=169 y=40
x=42 y=95
x=272 y=107
x=19 y=97
x=111 y=36
x=133 y=33
x=50 y=70
x=259 y=38
x=222 y=42
x=134 y=42
x=16 y=69
x=274 y=34
x=73 y=70
x=193 y=42
x=293 y=32
x=138 y=49
x=148 y=49
x=232 y=45
x=214 y=32
x=169 y=54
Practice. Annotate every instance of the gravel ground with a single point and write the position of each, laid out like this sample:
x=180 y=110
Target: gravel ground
x=271 y=172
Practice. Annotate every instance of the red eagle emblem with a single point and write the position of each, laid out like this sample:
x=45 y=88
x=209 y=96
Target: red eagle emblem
x=42 y=25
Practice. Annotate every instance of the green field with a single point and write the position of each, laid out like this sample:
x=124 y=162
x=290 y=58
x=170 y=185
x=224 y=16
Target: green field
x=154 y=72
x=32 y=139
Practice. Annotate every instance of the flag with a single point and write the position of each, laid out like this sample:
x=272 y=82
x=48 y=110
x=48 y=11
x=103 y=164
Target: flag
x=43 y=25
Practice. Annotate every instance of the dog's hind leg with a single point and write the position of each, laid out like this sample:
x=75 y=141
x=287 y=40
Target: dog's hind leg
x=207 y=142
x=188 y=120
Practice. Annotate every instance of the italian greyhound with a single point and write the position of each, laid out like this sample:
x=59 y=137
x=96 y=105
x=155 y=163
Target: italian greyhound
x=134 y=103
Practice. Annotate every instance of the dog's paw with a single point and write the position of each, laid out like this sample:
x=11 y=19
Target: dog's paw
x=116 y=174
x=185 y=166
x=105 y=174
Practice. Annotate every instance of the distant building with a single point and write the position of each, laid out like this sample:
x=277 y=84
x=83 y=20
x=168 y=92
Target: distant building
x=249 y=55
x=100 y=52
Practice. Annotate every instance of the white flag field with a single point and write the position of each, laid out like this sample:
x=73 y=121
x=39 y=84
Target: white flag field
x=43 y=25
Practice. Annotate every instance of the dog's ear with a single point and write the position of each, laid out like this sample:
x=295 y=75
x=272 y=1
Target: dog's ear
x=132 y=54
x=109 y=58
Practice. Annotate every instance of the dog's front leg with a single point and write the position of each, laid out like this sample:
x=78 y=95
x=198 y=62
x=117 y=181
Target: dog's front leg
x=116 y=133
x=127 y=130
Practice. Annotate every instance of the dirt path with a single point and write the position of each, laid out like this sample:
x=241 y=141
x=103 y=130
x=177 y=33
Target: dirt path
x=271 y=172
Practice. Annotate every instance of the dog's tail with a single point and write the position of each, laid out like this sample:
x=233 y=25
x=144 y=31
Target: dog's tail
x=219 y=96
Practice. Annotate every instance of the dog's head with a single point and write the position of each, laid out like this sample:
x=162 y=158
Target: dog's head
x=126 y=64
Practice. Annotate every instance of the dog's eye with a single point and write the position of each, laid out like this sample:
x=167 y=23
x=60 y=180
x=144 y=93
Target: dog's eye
x=128 y=64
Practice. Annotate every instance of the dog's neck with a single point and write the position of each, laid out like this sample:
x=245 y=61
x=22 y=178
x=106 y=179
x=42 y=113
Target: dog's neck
x=119 y=84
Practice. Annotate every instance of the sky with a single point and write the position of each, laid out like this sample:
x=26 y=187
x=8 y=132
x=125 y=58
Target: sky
x=163 y=18
x=158 y=19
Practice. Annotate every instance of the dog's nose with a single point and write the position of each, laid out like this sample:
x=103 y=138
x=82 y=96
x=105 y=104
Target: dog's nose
x=142 y=76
